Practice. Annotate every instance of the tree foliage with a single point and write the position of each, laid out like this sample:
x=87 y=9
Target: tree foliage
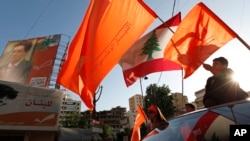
x=107 y=131
x=71 y=121
x=159 y=96
x=75 y=120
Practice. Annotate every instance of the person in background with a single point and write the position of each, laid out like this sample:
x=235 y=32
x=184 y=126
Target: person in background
x=157 y=119
x=189 y=107
x=17 y=69
x=221 y=87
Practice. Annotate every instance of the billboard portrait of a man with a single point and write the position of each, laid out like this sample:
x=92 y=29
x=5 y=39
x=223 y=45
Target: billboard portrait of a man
x=14 y=65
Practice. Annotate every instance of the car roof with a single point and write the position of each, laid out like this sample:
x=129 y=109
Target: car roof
x=205 y=123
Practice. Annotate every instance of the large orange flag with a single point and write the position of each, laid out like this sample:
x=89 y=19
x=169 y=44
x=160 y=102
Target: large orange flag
x=140 y=118
x=107 y=31
x=198 y=36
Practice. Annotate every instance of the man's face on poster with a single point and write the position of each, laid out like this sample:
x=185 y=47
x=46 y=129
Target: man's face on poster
x=18 y=54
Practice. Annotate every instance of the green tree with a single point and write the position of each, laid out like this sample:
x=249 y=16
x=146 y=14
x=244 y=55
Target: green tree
x=76 y=120
x=150 y=46
x=107 y=131
x=159 y=96
x=71 y=120
x=84 y=118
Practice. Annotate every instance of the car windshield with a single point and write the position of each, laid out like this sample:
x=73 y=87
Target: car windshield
x=239 y=113
x=206 y=124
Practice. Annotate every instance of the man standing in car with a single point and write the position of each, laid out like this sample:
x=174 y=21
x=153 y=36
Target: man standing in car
x=221 y=88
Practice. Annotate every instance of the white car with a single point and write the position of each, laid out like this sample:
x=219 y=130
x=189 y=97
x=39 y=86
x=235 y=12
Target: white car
x=208 y=124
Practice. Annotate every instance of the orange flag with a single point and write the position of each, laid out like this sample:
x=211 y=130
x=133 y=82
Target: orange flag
x=140 y=118
x=108 y=29
x=198 y=36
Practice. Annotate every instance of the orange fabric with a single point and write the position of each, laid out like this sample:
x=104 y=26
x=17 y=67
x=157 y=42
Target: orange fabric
x=140 y=118
x=107 y=31
x=27 y=120
x=152 y=108
x=198 y=36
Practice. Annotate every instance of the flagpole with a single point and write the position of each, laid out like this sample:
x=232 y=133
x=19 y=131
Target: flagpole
x=173 y=8
x=243 y=42
x=182 y=81
x=182 y=87
x=142 y=93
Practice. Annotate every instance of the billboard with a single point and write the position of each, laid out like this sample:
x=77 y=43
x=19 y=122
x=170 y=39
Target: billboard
x=29 y=61
x=24 y=107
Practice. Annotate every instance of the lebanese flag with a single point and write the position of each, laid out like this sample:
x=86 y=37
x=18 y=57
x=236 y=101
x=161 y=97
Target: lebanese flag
x=140 y=118
x=146 y=55
x=108 y=29
x=198 y=36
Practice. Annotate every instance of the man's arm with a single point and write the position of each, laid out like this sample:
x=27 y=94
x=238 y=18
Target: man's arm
x=209 y=68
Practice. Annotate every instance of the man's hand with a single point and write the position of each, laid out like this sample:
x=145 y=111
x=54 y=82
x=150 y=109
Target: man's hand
x=210 y=68
x=207 y=67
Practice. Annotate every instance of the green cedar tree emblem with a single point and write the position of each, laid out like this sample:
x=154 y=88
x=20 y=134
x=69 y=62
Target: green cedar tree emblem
x=44 y=44
x=150 y=46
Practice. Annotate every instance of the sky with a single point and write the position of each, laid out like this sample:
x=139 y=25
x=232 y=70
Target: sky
x=30 y=19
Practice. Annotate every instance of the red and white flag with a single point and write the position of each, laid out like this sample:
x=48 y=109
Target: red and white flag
x=146 y=55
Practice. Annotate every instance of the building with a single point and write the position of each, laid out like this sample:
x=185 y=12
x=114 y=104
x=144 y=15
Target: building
x=199 y=98
x=69 y=107
x=116 y=117
x=134 y=102
x=131 y=119
x=34 y=116
x=179 y=101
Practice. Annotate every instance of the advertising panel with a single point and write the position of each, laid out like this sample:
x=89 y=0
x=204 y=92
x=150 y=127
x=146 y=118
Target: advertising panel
x=29 y=61
x=24 y=107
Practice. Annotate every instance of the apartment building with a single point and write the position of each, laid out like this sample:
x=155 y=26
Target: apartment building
x=116 y=117
x=69 y=107
x=134 y=102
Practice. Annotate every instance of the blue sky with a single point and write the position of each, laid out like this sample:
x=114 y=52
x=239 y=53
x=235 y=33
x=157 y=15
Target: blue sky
x=28 y=19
